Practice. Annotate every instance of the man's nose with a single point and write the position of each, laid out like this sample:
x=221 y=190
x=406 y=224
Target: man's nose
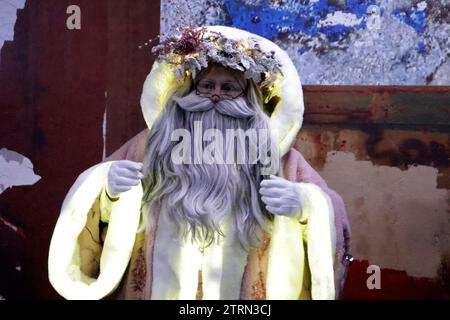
x=215 y=98
x=215 y=94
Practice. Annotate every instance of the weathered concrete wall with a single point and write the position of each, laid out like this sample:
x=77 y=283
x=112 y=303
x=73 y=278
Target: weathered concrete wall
x=386 y=151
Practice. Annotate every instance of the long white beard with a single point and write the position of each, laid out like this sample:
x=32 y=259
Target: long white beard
x=198 y=196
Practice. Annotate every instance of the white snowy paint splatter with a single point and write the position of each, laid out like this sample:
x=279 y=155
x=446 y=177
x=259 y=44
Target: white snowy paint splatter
x=104 y=127
x=9 y=225
x=340 y=18
x=421 y=6
x=15 y=170
x=8 y=16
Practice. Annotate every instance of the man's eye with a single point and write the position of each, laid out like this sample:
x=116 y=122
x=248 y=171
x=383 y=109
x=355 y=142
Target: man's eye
x=228 y=88
x=207 y=86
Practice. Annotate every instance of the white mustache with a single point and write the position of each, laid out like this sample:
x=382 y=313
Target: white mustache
x=237 y=108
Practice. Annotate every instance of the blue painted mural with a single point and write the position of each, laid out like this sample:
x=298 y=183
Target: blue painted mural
x=270 y=21
x=348 y=42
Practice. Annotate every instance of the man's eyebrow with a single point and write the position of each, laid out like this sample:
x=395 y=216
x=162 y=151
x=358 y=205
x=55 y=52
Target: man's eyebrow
x=207 y=80
x=230 y=82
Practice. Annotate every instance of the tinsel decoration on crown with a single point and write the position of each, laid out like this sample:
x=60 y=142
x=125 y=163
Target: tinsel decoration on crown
x=194 y=49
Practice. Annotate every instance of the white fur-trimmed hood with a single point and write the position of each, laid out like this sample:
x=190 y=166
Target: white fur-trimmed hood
x=287 y=117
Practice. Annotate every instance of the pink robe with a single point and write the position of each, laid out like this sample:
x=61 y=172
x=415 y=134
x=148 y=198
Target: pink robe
x=137 y=281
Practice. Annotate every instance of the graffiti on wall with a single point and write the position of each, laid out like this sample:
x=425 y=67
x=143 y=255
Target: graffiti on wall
x=339 y=42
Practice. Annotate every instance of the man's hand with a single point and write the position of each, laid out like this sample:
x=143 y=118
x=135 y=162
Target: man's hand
x=281 y=196
x=122 y=176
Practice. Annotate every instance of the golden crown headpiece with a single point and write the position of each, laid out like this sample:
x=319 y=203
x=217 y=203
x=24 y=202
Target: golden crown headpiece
x=194 y=48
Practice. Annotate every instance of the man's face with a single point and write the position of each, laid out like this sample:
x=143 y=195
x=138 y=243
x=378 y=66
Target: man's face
x=219 y=83
x=221 y=124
